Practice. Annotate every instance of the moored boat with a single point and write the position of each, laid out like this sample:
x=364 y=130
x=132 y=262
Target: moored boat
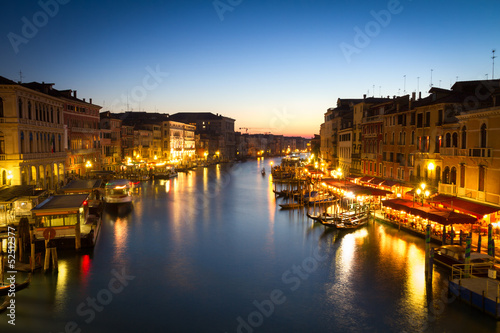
x=6 y=290
x=66 y=217
x=322 y=216
x=449 y=255
x=293 y=205
x=118 y=191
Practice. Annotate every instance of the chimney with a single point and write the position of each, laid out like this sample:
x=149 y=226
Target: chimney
x=364 y=96
x=74 y=93
x=413 y=96
x=84 y=99
x=420 y=95
x=90 y=100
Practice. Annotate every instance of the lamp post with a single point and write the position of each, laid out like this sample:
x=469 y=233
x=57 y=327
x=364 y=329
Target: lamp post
x=422 y=193
x=88 y=165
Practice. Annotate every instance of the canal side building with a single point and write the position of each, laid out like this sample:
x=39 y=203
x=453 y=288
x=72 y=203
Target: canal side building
x=31 y=135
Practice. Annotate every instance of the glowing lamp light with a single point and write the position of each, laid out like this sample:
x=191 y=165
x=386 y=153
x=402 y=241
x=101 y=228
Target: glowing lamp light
x=419 y=191
x=430 y=166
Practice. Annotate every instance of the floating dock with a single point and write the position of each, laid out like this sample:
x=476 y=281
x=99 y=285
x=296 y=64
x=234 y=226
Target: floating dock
x=481 y=293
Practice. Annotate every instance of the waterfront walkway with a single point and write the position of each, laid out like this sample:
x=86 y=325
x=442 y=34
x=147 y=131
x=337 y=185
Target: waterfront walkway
x=379 y=216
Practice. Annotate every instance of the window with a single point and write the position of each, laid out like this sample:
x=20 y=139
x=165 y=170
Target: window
x=448 y=140
x=453 y=175
x=440 y=118
x=2 y=143
x=483 y=136
x=455 y=140
x=462 y=175
x=412 y=137
x=427 y=119
x=1 y=108
x=438 y=144
x=446 y=175
x=464 y=137
x=20 y=106
x=481 y=178
x=420 y=119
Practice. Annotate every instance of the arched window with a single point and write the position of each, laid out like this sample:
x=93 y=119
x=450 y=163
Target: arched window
x=448 y=140
x=412 y=137
x=4 y=177
x=418 y=172
x=464 y=137
x=446 y=175
x=51 y=115
x=455 y=140
x=453 y=176
x=438 y=174
x=483 y=136
x=29 y=110
x=404 y=138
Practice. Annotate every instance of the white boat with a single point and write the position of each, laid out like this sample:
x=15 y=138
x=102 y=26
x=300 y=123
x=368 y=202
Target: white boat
x=118 y=191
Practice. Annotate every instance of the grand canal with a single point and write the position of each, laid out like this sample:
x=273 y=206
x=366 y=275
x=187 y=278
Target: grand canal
x=210 y=251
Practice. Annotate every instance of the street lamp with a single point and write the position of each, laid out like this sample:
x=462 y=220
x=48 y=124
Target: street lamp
x=422 y=193
x=88 y=165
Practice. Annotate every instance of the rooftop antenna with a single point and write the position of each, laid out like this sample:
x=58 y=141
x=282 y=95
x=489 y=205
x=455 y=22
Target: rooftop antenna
x=373 y=91
x=20 y=77
x=493 y=58
x=486 y=76
x=404 y=90
x=431 y=78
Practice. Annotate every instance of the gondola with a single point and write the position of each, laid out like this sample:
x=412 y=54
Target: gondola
x=353 y=222
x=4 y=290
x=291 y=205
x=322 y=216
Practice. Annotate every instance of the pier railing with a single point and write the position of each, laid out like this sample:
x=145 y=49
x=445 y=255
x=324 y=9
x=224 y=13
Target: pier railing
x=471 y=270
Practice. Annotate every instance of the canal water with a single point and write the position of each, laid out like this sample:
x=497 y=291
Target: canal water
x=210 y=251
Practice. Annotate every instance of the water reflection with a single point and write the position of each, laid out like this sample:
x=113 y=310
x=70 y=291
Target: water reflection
x=61 y=296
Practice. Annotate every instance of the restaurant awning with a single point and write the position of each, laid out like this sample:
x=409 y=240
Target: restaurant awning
x=376 y=181
x=439 y=215
x=470 y=207
x=389 y=183
x=366 y=179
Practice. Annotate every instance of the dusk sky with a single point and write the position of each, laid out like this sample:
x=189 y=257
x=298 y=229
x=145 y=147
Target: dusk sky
x=274 y=66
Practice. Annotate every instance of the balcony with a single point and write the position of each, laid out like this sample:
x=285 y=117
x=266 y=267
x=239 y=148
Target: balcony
x=453 y=151
x=480 y=152
x=448 y=189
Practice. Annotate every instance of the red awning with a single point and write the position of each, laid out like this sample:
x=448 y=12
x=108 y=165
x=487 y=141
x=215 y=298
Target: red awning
x=376 y=181
x=389 y=183
x=464 y=205
x=439 y=215
x=366 y=179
